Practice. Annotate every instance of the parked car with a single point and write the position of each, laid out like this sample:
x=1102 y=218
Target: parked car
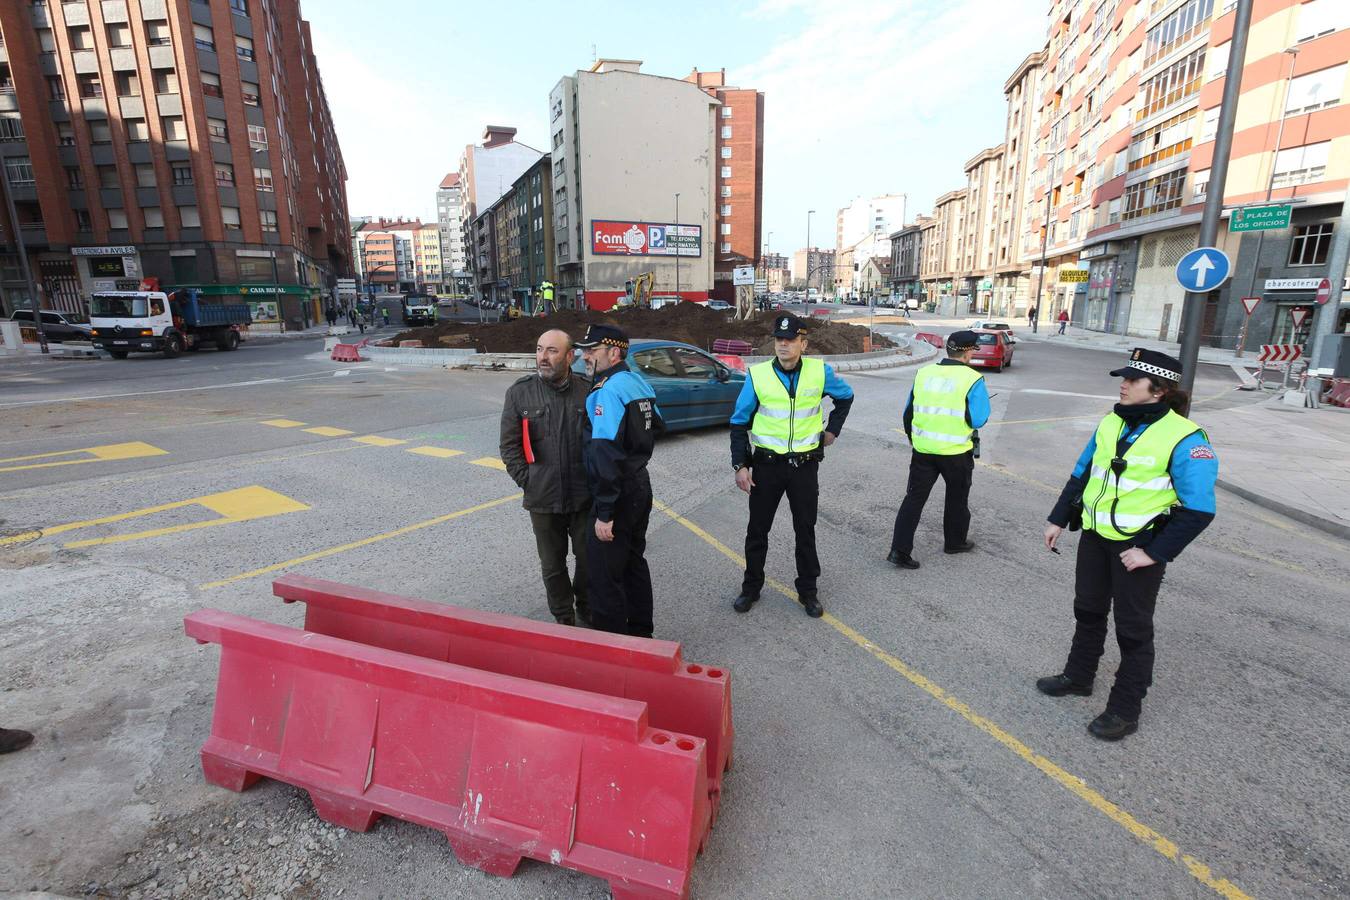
x=59 y=326
x=994 y=350
x=995 y=325
x=693 y=389
x=719 y=305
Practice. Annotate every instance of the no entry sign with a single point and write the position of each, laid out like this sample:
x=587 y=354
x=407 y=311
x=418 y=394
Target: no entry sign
x=1324 y=290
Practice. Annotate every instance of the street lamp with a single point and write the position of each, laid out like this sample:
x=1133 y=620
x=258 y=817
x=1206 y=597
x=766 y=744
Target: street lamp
x=806 y=297
x=676 y=246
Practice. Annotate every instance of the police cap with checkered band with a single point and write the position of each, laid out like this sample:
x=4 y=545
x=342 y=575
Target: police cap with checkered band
x=607 y=335
x=1145 y=362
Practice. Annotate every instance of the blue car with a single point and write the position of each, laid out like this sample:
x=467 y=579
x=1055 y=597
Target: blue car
x=693 y=389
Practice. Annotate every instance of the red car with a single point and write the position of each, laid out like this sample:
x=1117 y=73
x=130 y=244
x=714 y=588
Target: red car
x=994 y=351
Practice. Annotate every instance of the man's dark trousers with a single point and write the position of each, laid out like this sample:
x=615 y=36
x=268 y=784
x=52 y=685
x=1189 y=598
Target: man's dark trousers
x=1100 y=576
x=772 y=480
x=621 y=583
x=924 y=470
x=566 y=597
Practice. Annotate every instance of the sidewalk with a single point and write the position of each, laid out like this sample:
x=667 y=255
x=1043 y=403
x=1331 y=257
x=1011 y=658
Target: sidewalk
x=1287 y=459
x=1116 y=343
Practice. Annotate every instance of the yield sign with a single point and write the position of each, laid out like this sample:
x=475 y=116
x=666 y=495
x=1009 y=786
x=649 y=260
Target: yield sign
x=1249 y=304
x=1324 y=290
x=1299 y=314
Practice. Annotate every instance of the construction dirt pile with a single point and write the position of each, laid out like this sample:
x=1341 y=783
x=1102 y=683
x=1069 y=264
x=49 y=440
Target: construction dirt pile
x=692 y=323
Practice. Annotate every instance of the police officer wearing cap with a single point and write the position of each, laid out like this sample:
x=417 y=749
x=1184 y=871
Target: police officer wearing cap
x=778 y=436
x=946 y=405
x=624 y=421
x=1142 y=490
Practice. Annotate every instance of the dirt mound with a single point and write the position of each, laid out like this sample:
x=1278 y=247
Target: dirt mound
x=692 y=323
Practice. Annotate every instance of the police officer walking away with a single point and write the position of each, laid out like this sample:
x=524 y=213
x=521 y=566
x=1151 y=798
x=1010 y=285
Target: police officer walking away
x=624 y=422
x=543 y=430
x=778 y=436
x=1142 y=490
x=946 y=405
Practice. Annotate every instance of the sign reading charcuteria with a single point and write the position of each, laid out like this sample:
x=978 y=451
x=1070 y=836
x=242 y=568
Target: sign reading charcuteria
x=616 y=238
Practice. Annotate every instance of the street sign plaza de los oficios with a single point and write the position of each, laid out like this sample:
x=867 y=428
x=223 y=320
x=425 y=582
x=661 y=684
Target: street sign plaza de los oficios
x=1260 y=218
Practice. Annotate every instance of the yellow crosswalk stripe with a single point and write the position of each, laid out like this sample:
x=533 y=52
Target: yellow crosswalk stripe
x=326 y=431
x=375 y=440
x=282 y=423
x=491 y=462
x=437 y=452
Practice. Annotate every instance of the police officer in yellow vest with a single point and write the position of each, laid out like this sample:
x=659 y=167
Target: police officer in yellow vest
x=1142 y=490
x=778 y=436
x=948 y=402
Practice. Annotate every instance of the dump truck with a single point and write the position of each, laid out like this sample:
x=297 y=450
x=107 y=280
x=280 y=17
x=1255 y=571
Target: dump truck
x=164 y=322
x=419 y=310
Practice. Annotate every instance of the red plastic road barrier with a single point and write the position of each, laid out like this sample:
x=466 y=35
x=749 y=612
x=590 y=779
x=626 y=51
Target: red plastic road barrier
x=345 y=353
x=505 y=767
x=684 y=697
x=1340 y=394
x=929 y=338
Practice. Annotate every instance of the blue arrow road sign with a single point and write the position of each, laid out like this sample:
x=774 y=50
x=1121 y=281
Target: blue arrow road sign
x=1203 y=269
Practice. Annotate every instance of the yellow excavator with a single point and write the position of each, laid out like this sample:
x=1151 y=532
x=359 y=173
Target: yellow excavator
x=638 y=291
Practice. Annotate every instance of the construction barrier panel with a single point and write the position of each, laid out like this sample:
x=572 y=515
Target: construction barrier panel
x=684 y=697
x=505 y=767
x=346 y=353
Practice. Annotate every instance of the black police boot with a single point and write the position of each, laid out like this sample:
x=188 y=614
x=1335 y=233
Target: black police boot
x=12 y=739
x=964 y=547
x=902 y=560
x=1111 y=727
x=1059 y=685
x=812 y=604
x=744 y=602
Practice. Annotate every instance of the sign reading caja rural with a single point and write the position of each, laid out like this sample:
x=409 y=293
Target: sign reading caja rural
x=613 y=238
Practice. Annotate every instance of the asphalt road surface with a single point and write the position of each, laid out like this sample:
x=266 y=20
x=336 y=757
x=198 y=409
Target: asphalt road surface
x=895 y=748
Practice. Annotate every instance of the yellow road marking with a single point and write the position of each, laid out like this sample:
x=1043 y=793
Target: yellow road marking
x=1040 y=421
x=376 y=441
x=491 y=462
x=437 y=452
x=1075 y=785
x=326 y=431
x=239 y=505
x=342 y=548
x=102 y=453
x=282 y=423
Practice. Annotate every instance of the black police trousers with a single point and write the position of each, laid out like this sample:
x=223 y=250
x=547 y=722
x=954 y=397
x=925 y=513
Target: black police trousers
x=924 y=468
x=1101 y=580
x=772 y=480
x=621 y=583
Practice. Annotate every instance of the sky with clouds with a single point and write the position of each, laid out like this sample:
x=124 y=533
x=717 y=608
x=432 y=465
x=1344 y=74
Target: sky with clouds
x=861 y=98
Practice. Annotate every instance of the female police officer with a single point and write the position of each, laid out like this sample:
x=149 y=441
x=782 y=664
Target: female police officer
x=1146 y=483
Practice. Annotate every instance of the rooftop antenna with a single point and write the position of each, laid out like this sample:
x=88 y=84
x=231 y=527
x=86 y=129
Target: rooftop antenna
x=593 y=56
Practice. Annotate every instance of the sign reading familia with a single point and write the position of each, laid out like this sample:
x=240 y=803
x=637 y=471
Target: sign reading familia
x=613 y=238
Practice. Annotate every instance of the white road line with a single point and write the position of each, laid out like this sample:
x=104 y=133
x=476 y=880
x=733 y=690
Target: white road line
x=1068 y=394
x=209 y=387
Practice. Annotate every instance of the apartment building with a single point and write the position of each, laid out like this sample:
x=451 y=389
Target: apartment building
x=862 y=231
x=450 y=223
x=907 y=258
x=486 y=172
x=388 y=254
x=427 y=259
x=817 y=265
x=945 y=253
x=740 y=178
x=188 y=141
x=633 y=183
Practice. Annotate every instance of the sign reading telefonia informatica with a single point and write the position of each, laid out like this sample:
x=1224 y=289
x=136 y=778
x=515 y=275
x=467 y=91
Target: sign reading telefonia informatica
x=615 y=238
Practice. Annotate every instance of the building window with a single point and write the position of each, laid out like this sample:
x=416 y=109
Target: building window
x=257 y=137
x=1162 y=141
x=218 y=130
x=250 y=90
x=204 y=38
x=127 y=84
x=136 y=130
x=1315 y=90
x=117 y=219
x=267 y=219
x=56 y=88
x=726 y=190
x=726 y=171
x=107 y=176
x=99 y=132
x=726 y=111
x=726 y=209
x=224 y=175
x=20 y=171
x=726 y=153
x=726 y=228
x=82 y=220
x=154 y=216
x=1154 y=195
x=188 y=217
x=166 y=81
x=11 y=129
x=263 y=179
x=145 y=175
x=90 y=85
x=1300 y=165
x=79 y=38
x=157 y=33
x=1311 y=245
x=1217 y=57
x=1172 y=85
x=1319 y=17
x=1187 y=22
x=239 y=7
x=173 y=127
x=119 y=35
x=74 y=178
x=182 y=173
x=65 y=134
x=211 y=84
x=230 y=216
x=1210 y=126
x=46 y=42
x=726 y=132
x=243 y=47
x=724 y=247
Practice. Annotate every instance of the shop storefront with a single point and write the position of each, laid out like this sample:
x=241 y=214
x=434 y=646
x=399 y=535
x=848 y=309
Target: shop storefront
x=275 y=308
x=1284 y=298
x=107 y=268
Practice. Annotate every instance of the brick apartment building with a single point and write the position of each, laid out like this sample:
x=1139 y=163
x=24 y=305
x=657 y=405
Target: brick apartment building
x=738 y=222
x=184 y=140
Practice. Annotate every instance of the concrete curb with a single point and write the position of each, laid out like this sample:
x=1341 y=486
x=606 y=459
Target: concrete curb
x=1338 y=529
